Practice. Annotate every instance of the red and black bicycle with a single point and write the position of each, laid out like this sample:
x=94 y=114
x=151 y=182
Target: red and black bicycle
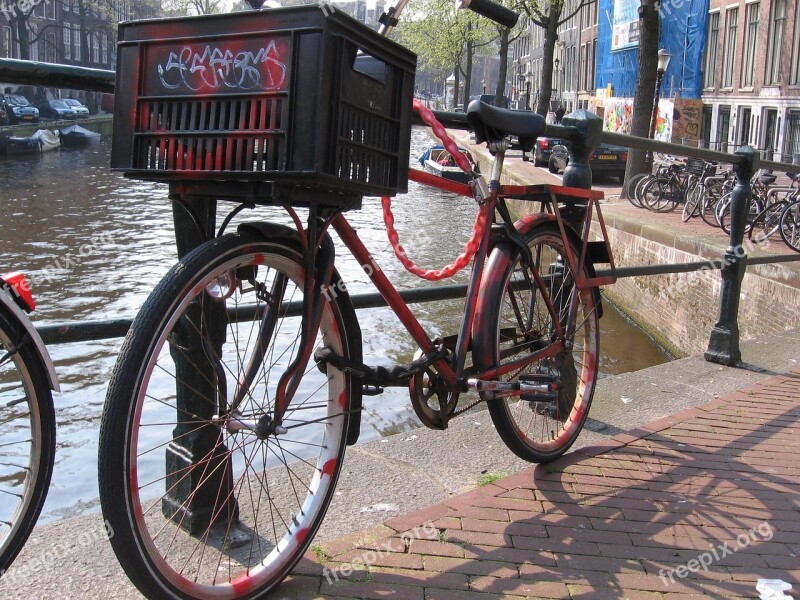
x=241 y=382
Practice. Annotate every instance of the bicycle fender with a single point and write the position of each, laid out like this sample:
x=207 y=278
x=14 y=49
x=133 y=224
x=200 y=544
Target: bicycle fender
x=352 y=333
x=30 y=330
x=529 y=222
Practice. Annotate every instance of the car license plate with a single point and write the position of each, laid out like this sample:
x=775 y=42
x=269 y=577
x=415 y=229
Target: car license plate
x=607 y=157
x=27 y=118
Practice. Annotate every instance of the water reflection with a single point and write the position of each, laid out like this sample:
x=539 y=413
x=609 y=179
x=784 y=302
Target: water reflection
x=95 y=245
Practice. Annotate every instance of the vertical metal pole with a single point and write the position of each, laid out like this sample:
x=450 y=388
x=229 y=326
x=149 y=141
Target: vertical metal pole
x=723 y=346
x=199 y=479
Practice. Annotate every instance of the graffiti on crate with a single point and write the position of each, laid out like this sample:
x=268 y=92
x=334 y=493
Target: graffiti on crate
x=209 y=68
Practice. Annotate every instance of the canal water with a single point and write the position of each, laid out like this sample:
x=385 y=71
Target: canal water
x=95 y=244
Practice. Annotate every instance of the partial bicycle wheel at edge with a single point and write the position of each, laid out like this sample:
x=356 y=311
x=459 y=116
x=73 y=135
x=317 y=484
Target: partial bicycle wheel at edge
x=200 y=506
x=28 y=443
x=515 y=321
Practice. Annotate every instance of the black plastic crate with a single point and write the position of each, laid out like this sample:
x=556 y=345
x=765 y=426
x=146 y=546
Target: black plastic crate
x=304 y=95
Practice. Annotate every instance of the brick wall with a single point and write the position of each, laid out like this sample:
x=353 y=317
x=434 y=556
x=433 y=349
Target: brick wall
x=679 y=310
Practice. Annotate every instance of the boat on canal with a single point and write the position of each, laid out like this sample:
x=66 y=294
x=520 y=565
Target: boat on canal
x=43 y=140
x=438 y=161
x=76 y=136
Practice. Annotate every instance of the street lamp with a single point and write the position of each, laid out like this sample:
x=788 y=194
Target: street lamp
x=663 y=63
x=555 y=62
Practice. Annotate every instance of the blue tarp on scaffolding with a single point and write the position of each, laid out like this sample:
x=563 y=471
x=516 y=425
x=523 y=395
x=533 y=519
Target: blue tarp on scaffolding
x=683 y=33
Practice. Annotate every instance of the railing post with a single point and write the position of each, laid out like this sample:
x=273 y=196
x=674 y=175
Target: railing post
x=578 y=172
x=195 y=496
x=723 y=346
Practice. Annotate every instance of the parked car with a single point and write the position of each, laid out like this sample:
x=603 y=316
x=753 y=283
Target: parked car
x=3 y=114
x=56 y=109
x=79 y=108
x=543 y=148
x=606 y=160
x=19 y=109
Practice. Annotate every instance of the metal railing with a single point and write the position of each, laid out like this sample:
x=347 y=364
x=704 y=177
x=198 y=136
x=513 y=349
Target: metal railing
x=582 y=130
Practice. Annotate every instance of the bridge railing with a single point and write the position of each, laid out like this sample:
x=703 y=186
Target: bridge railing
x=583 y=132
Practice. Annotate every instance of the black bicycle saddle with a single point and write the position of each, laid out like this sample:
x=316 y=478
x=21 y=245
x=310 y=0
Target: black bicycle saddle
x=493 y=124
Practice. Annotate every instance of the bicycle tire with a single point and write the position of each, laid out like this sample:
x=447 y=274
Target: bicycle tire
x=711 y=197
x=691 y=208
x=278 y=500
x=29 y=435
x=640 y=185
x=767 y=222
x=658 y=195
x=790 y=225
x=631 y=188
x=753 y=211
x=514 y=321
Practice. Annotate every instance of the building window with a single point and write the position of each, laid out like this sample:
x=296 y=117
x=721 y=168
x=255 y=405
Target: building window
x=6 y=49
x=104 y=47
x=96 y=47
x=51 y=10
x=712 y=42
x=723 y=127
x=791 y=140
x=777 y=26
x=729 y=53
x=794 y=79
x=67 y=42
x=744 y=126
x=76 y=36
x=52 y=50
x=705 y=126
x=750 y=41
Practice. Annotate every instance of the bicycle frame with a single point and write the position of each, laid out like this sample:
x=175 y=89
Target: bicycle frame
x=456 y=377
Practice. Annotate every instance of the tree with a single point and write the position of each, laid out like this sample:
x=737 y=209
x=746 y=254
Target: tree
x=547 y=14
x=645 y=85
x=505 y=37
x=445 y=40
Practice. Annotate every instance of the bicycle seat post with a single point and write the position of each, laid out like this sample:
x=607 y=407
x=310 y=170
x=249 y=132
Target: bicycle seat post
x=498 y=150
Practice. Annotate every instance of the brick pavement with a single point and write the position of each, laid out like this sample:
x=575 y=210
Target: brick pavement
x=700 y=504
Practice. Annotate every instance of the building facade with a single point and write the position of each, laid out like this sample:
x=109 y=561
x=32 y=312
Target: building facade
x=751 y=77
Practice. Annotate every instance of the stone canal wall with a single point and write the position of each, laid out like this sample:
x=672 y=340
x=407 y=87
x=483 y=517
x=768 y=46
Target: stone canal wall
x=680 y=309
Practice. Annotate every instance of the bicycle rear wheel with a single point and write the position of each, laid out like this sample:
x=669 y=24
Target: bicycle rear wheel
x=515 y=322
x=201 y=505
x=661 y=195
x=27 y=451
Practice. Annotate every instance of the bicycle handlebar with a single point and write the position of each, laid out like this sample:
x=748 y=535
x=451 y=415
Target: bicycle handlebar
x=490 y=10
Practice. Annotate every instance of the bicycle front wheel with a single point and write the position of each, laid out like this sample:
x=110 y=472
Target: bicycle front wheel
x=28 y=448
x=205 y=499
x=790 y=225
x=519 y=319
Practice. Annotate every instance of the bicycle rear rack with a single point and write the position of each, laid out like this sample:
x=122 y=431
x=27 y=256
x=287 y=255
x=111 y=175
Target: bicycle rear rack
x=574 y=208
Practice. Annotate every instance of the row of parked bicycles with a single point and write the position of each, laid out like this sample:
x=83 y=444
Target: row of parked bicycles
x=701 y=189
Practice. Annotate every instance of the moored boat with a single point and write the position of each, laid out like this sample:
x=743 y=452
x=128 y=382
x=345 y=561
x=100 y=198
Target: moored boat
x=438 y=161
x=41 y=141
x=75 y=136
